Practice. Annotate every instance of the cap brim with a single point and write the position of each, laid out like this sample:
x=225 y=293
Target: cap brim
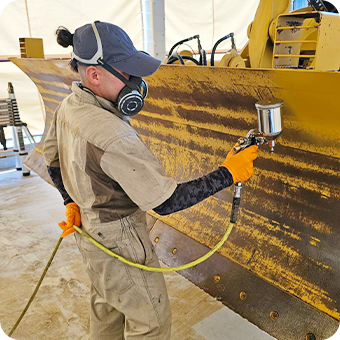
x=140 y=64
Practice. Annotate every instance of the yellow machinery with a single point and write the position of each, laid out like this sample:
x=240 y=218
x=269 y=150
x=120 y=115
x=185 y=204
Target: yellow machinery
x=280 y=267
x=302 y=39
x=31 y=48
x=307 y=40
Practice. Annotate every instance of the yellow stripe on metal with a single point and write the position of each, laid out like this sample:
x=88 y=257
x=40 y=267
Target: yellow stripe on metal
x=288 y=231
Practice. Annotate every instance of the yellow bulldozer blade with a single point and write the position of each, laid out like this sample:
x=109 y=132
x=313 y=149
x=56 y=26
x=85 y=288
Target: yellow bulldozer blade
x=280 y=267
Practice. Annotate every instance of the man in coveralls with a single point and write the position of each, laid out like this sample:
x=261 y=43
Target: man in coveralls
x=110 y=178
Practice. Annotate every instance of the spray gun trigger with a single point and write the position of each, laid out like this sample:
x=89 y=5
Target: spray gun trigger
x=253 y=137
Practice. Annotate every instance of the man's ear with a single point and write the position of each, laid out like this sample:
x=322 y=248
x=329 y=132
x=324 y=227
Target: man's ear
x=92 y=75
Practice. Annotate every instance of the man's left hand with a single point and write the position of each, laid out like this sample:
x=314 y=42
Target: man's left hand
x=73 y=218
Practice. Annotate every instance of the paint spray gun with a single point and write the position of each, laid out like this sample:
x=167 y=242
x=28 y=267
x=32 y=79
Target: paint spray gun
x=269 y=128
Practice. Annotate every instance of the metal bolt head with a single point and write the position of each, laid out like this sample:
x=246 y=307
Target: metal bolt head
x=274 y=315
x=174 y=251
x=310 y=336
x=218 y=298
x=243 y=296
x=217 y=278
x=156 y=239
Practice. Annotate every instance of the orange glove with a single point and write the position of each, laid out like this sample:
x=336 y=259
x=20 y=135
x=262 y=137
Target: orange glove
x=73 y=217
x=241 y=165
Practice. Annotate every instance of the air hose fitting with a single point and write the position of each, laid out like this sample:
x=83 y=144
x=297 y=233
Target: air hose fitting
x=236 y=202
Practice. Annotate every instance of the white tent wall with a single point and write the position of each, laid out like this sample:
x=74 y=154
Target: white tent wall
x=13 y=24
x=30 y=109
x=210 y=19
x=233 y=16
x=73 y=14
x=45 y=16
x=183 y=18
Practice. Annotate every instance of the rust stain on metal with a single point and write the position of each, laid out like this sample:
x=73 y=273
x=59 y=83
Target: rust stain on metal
x=290 y=207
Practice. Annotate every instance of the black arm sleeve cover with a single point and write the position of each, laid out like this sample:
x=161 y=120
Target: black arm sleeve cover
x=56 y=178
x=189 y=193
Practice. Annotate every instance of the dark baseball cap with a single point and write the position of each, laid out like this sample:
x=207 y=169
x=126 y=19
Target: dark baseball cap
x=110 y=43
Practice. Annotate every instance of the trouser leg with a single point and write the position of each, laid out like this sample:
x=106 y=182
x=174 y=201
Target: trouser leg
x=106 y=322
x=140 y=296
x=146 y=307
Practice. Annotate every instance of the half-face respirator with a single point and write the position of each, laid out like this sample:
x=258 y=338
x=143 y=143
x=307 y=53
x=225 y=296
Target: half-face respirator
x=130 y=99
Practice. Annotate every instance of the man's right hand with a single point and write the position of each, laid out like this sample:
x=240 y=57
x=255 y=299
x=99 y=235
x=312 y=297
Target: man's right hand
x=241 y=165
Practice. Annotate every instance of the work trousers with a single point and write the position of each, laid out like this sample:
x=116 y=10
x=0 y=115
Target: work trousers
x=126 y=302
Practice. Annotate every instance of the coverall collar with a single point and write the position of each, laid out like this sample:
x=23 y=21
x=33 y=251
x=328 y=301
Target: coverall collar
x=88 y=96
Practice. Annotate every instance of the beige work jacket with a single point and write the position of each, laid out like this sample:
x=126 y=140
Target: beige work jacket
x=106 y=169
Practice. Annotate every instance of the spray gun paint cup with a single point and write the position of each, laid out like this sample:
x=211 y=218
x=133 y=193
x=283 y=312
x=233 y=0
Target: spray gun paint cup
x=269 y=118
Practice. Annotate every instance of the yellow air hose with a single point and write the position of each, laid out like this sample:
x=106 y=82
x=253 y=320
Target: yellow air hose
x=233 y=218
x=156 y=269
x=122 y=259
x=234 y=212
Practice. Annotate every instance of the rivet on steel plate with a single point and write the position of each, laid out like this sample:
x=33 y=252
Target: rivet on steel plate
x=218 y=298
x=274 y=315
x=156 y=239
x=174 y=251
x=243 y=296
x=217 y=278
x=310 y=336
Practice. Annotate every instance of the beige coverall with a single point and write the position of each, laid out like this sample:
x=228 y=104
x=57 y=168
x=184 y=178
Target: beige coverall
x=114 y=179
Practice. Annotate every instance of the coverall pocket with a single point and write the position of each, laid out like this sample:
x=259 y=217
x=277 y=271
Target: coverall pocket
x=108 y=275
x=143 y=235
x=139 y=237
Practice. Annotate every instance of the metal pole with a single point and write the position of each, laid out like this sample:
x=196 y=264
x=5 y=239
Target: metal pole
x=153 y=19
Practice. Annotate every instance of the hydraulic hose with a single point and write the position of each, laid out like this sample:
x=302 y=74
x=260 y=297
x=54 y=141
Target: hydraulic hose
x=203 y=57
x=173 y=58
x=202 y=53
x=231 y=35
x=182 y=42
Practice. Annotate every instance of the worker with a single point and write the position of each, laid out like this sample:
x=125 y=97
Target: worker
x=108 y=179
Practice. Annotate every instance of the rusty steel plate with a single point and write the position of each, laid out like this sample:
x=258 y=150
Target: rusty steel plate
x=288 y=231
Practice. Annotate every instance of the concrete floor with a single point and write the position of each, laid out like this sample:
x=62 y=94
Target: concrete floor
x=29 y=211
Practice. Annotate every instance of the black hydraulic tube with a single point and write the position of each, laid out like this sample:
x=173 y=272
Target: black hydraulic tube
x=230 y=35
x=172 y=59
x=182 y=42
x=321 y=5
